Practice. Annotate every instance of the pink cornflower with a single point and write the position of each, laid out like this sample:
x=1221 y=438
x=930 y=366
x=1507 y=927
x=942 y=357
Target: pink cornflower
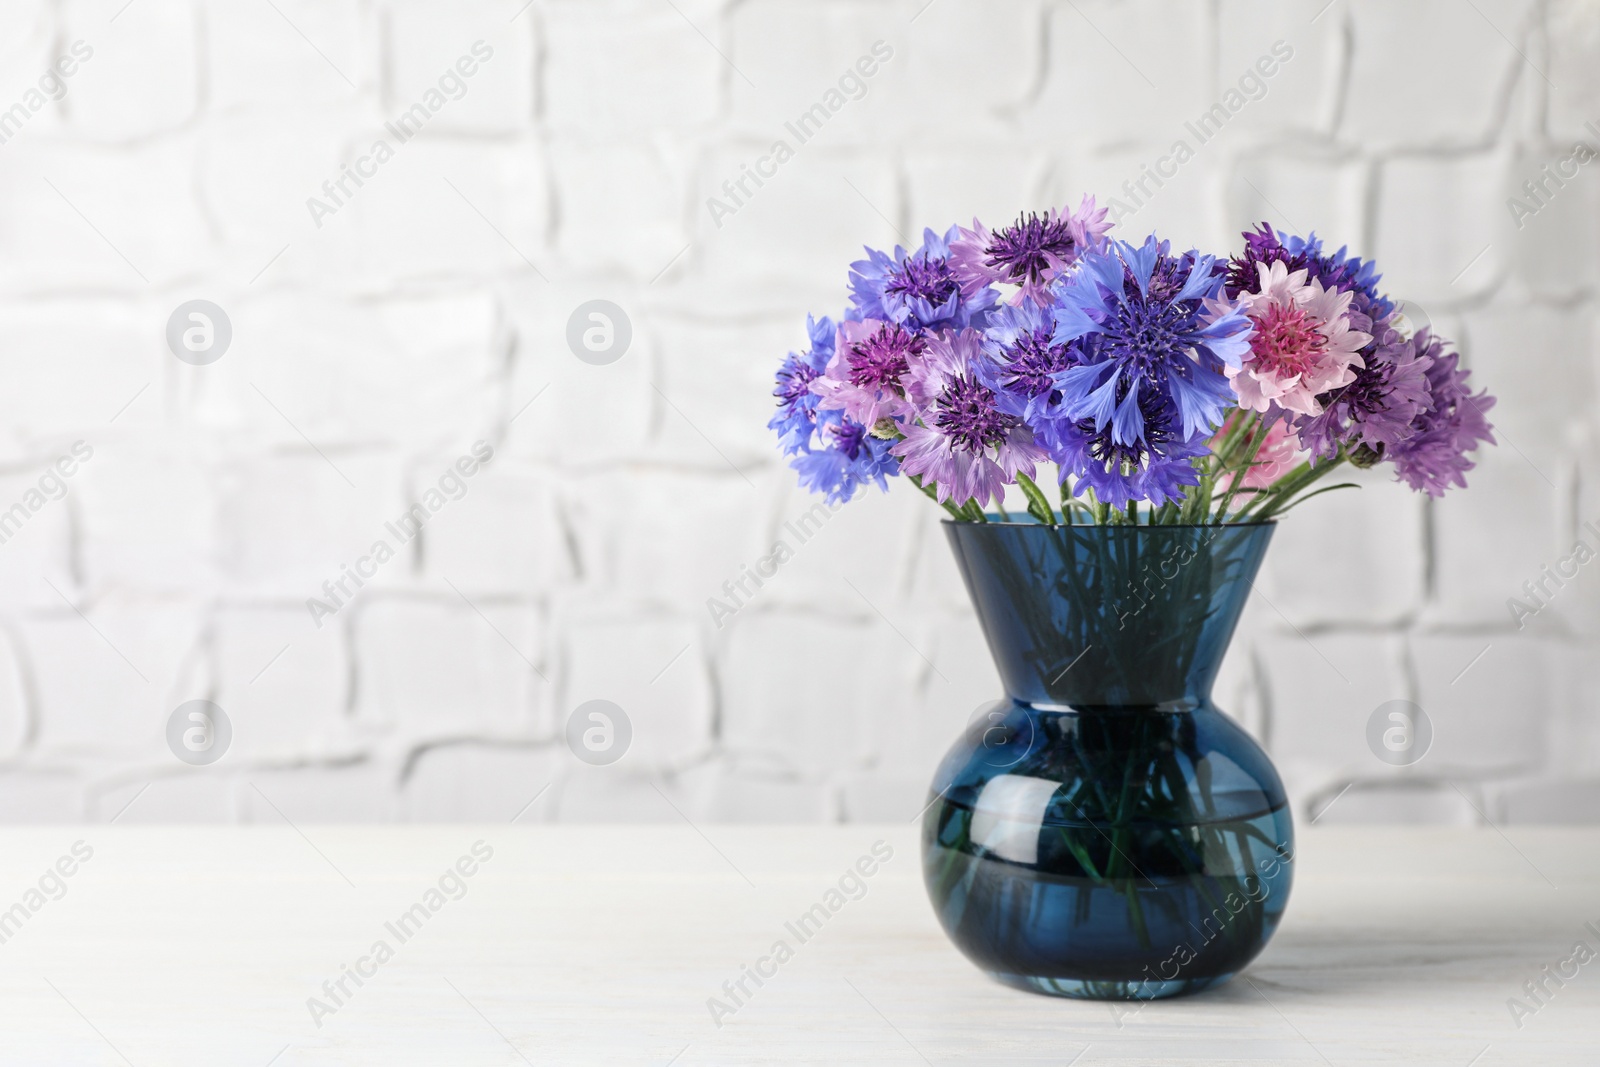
x=1302 y=345
x=869 y=371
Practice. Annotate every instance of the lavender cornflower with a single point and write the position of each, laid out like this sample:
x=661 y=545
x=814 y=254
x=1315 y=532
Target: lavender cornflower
x=1031 y=252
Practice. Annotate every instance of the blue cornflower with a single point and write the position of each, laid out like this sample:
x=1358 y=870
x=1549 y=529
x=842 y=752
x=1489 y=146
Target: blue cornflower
x=797 y=404
x=1156 y=468
x=1340 y=270
x=1020 y=340
x=833 y=453
x=1147 y=322
x=843 y=457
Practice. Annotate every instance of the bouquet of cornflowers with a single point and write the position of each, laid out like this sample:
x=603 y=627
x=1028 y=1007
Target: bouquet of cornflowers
x=1211 y=390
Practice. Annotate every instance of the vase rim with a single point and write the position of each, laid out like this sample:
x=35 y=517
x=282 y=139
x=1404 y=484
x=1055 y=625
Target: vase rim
x=1113 y=526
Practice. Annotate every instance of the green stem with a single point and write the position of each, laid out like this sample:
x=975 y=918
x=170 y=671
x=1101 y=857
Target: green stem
x=1101 y=512
x=1191 y=499
x=1038 y=503
x=1070 y=503
x=1282 y=485
x=933 y=494
x=1227 y=440
x=1119 y=838
x=1315 y=474
x=1280 y=493
x=1240 y=471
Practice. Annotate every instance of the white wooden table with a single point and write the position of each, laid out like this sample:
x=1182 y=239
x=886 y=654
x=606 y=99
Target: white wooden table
x=579 y=945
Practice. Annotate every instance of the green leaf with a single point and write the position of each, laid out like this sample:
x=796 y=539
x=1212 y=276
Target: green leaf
x=1325 y=489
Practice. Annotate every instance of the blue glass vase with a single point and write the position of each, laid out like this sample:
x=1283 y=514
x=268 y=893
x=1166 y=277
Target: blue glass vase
x=1105 y=831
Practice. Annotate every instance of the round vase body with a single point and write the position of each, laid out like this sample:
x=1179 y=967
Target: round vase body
x=1104 y=831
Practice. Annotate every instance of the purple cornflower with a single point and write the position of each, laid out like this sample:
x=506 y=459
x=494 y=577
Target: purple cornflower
x=1149 y=345
x=963 y=441
x=1434 y=457
x=918 y=290
x=1118 y=363
x=1338 y=270
x=1260 y=246
x=833 y=454
x=1031 y=252
x=1378 y=408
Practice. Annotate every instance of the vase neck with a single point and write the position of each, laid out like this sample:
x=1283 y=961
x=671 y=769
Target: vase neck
x=1112 y=617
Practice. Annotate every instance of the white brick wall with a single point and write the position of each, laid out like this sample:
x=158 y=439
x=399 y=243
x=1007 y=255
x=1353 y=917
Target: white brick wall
x=430 y=311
